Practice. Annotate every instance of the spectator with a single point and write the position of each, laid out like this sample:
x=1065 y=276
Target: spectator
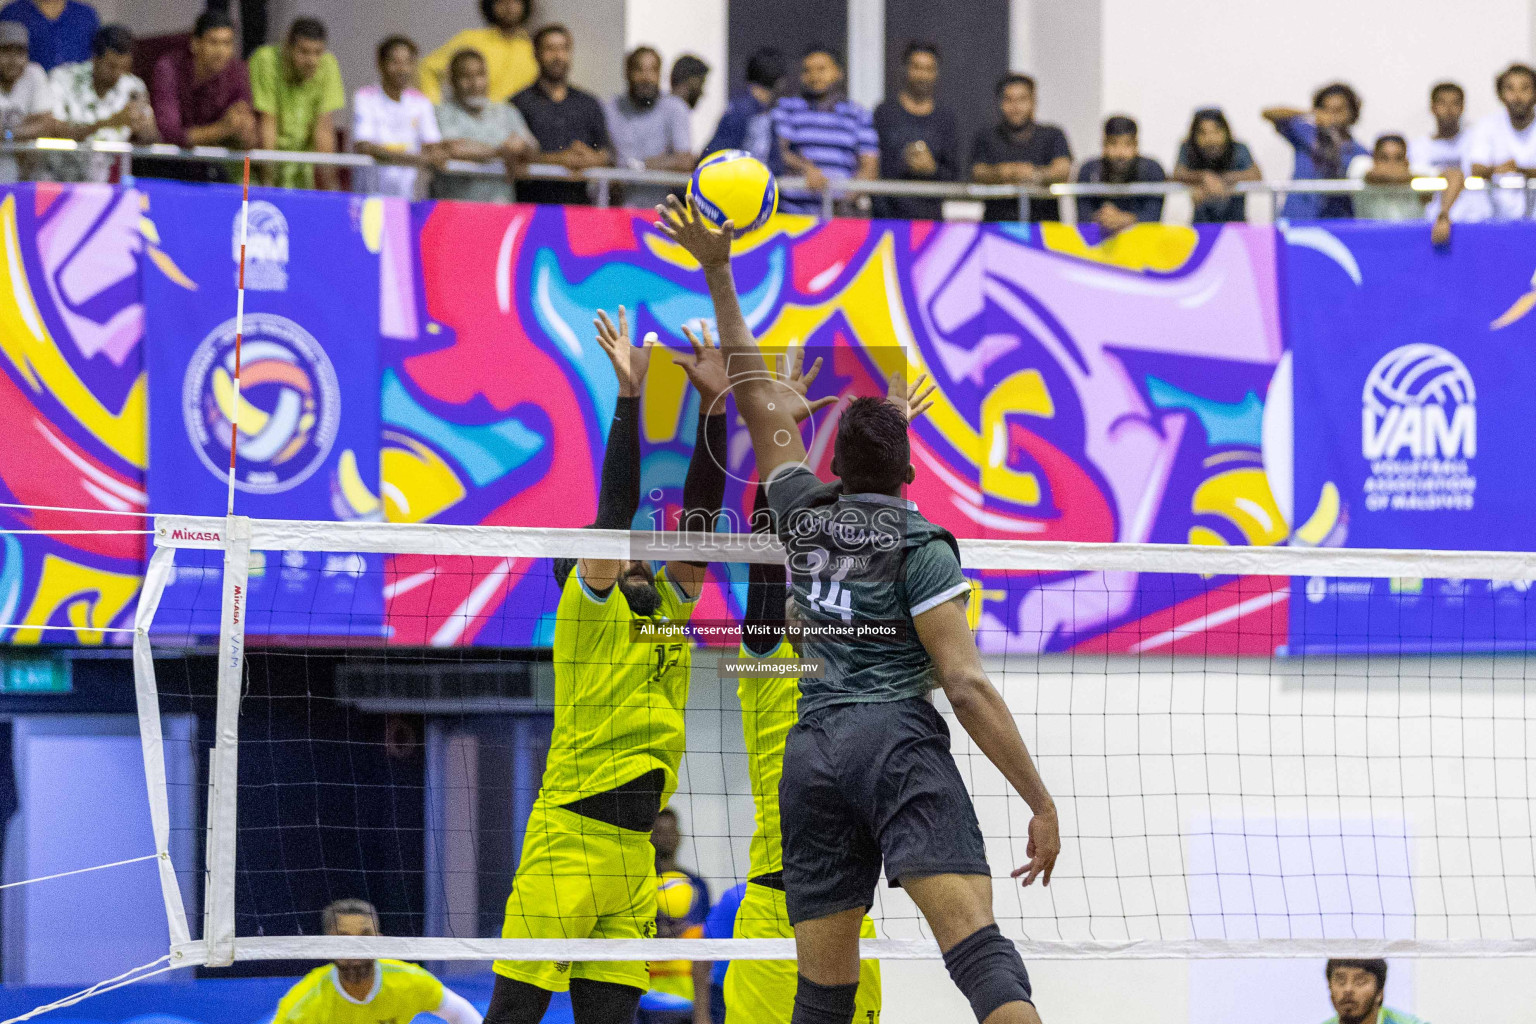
x=1121 y=164
x=394 y=123
x=1386 y=174
x=1324 y=149
x=26 y=100
x=919 y=140
x=100 y=100
x=720 y=924
x=748 y=121
x=677 y=977
x=296 y=90
x=1446 y=149
x=504 y=44
x=567 y=122
x=1020 y=151
x=667 y=838
x=822 y=135
x=202 y=95
x=1210 y=162
x=1357 y=989
x=688 y=76
x=1504 y=142
x=58 y=31
x=474 y=128
x=649 y=130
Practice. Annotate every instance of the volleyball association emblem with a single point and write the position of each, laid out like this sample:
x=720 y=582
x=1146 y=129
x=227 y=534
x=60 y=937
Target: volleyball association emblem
x=288 y=411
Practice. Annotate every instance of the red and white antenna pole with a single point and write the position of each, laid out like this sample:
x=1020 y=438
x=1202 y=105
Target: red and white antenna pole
x=234 y=418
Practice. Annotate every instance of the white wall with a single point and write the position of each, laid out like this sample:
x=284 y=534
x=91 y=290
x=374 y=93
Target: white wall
x=1162 y=59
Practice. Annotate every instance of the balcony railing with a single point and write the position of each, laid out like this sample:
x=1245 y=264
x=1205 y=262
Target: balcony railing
x=364 y=177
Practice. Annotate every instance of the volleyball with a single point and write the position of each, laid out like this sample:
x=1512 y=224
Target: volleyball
x=733 y=185
x=674 y=895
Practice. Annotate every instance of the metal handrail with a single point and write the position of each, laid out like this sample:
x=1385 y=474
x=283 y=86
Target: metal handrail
x=605 y=177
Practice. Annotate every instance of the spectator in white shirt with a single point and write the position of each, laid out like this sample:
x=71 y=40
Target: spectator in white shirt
x=100 y=99
x=1504 y=143
x=26 y=101
x=395 y=124
x=1447 y=148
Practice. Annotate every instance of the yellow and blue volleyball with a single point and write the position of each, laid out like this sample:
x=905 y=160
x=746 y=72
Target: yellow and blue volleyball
x=733 y=185
x=674 y=895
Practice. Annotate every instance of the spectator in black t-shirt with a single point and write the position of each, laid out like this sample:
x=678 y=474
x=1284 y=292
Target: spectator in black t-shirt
x=919 y=140
x=1210 y=162
x=1121 y=164
x=1020 y=151
x=567 y=123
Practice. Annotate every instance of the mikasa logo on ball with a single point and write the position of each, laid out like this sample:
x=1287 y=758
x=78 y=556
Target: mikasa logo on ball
x=1418 y=429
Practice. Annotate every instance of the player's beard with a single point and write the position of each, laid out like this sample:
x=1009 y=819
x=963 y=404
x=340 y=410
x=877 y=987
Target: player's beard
x=641 y=594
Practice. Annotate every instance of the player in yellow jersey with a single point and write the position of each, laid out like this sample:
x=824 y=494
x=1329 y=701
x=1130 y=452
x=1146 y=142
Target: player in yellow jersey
x=588 y=867
x=367 y=991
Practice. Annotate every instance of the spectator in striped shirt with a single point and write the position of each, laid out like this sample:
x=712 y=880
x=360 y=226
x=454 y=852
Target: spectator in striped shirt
x=823 y=135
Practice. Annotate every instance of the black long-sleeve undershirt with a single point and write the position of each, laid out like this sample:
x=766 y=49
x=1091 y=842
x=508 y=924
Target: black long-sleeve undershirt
x=704 y=486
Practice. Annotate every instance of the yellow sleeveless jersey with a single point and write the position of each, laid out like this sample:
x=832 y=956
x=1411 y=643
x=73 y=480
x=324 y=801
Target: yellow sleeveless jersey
x=619 y=702
x=400 y=992
x=767 y=715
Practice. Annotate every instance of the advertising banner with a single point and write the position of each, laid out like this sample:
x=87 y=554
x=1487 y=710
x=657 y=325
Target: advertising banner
x=306 y=415
x=1412 y=380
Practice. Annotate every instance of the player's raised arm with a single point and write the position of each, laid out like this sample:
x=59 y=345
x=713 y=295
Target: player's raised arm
x=704 y=486
x=984 y=715
x=618 y=496
x=775 y=438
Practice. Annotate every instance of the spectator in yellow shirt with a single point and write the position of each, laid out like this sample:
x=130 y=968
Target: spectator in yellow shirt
x=504 y=44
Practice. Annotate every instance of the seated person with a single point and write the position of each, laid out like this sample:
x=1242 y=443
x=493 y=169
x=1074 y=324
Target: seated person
x=297 y=90
x=475 y=129
x=1121 y=164
x=100 y=100
x=202 y=96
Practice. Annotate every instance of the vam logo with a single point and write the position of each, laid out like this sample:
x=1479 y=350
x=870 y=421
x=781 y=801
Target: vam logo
x=1419 y=402
x=266 y=248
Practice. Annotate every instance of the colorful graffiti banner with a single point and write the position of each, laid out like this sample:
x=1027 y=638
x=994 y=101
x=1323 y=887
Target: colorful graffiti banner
x=1110 y=391
x=1412 y=373
x=72 y=399
x=306 y=412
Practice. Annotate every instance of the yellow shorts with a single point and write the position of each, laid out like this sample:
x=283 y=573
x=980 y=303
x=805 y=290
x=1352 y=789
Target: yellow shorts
x=763 y=991
x=580 y=878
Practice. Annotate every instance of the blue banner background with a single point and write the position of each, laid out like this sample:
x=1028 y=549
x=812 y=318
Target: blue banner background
x=1396 y=346
x=309 y=408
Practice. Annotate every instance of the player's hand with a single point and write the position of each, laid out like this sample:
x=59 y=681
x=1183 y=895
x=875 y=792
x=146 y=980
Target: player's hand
x=1440 y=234
x=1043 y=849
x=709 y=245
x=912 y=399
x=791 y=379
x=706 y=372
x=629 y=363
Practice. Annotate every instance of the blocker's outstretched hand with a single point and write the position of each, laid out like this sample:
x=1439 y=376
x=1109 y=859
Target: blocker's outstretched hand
x=710 y=245
x=630 y=363
x=707 y=371
x=793 y=380
x=912 y=399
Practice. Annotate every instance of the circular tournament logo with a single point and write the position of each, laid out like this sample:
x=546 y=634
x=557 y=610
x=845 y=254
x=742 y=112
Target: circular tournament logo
x=289 y=406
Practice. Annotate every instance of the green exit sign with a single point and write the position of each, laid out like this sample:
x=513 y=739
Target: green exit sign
x=34 y=674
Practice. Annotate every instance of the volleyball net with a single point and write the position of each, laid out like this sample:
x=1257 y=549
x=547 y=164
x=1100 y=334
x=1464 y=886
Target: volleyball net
x=1219 y=794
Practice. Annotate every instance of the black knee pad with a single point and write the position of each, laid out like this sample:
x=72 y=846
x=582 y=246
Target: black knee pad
x=824 y=1004
x=988 y=971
